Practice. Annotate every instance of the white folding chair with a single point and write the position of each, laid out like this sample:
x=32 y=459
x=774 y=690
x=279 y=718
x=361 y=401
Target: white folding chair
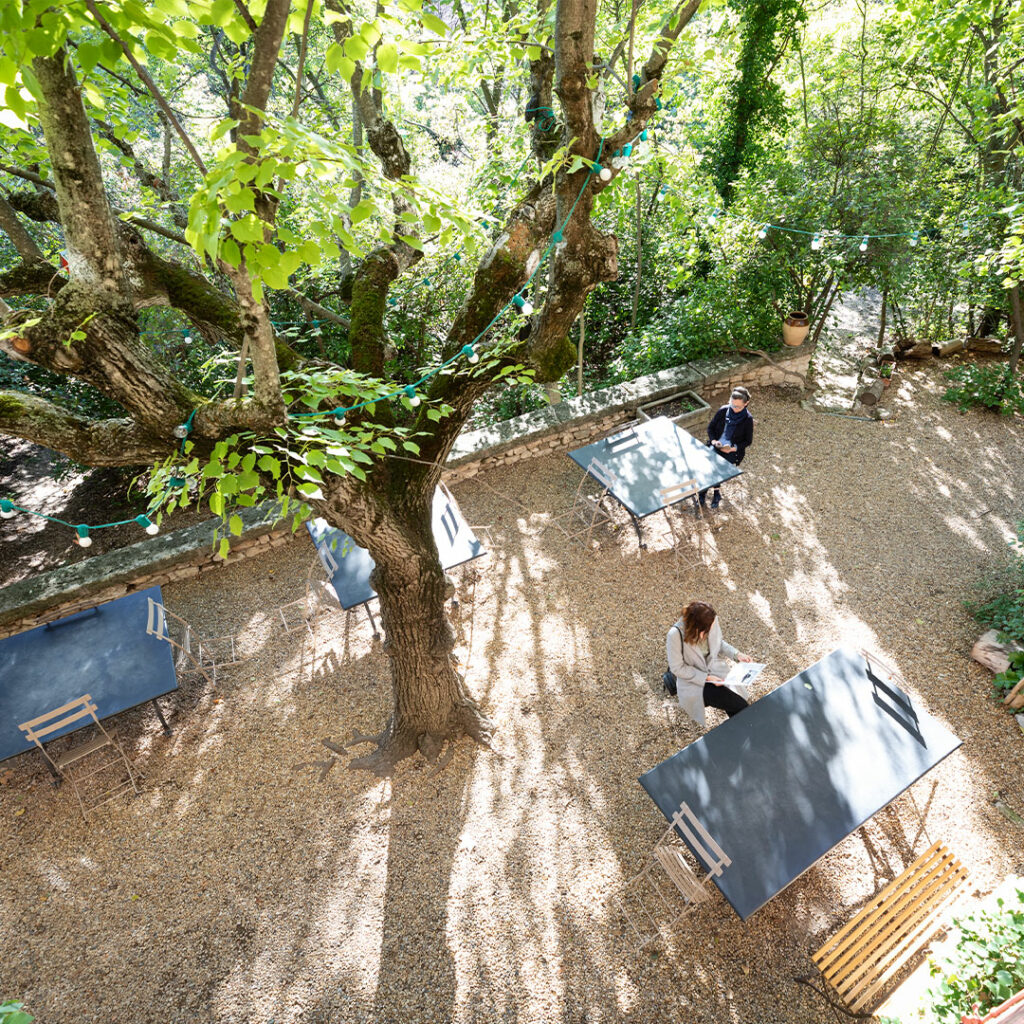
x=686 y=491
x=71 y=764
x=204 y=655
x=588 y=510
x=305 y=612
x=643 y=900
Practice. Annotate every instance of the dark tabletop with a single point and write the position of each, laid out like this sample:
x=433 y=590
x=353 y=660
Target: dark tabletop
x=349 y=566
x=651 y=456
x=795 y=773
x=104 y=651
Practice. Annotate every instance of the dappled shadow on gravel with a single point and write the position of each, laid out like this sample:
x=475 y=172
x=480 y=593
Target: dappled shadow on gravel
x=242 y=888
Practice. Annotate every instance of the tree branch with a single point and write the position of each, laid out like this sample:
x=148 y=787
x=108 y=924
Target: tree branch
x=145 y=78
x=116 y=442
x=15 y=231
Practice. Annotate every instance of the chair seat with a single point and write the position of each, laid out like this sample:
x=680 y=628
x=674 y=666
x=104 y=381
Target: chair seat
x=85 y=749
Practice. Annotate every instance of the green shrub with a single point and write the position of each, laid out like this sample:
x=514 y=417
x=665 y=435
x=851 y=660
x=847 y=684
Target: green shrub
x=991 y=387
x=12 y=1013
x=987 y=966
x=1005 y=610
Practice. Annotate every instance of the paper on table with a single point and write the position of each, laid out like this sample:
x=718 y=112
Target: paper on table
x=743 y=673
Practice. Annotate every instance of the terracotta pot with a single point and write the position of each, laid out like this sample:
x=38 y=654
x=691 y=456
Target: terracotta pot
x=795 y=328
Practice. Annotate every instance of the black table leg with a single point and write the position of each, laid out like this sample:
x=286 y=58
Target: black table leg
x=639 y=535
x=160 y=715
x=366 y=605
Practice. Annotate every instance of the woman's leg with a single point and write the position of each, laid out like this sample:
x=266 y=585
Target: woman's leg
x=724 y=699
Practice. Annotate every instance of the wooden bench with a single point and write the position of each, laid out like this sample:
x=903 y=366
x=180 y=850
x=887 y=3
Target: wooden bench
x=861 y=957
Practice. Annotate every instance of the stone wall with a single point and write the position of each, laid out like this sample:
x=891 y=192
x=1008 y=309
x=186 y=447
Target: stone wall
x=569 y=424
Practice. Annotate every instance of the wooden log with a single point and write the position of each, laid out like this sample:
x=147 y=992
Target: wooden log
x=990 y=345
x=872 y=393
x=950 y=348
x=922 y=350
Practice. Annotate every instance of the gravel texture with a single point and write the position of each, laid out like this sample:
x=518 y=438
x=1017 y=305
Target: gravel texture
x=240 y=888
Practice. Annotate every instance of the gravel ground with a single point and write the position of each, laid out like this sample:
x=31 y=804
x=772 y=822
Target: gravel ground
x=239 y=888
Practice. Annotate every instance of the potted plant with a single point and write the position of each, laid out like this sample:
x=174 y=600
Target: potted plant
x=795 y=328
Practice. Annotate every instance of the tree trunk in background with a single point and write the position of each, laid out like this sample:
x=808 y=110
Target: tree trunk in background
x=579 y=360
x=639 y=256
x=1018 y=328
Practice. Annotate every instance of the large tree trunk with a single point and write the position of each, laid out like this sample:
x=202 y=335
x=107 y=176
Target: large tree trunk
x=431 y=702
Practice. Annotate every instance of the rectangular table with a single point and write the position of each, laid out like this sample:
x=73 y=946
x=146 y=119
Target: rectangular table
x=784 y=781
x=104 y=651
x=349 y=566
x=648 y=457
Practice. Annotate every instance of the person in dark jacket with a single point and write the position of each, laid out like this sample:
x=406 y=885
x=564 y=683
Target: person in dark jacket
x=730 y=432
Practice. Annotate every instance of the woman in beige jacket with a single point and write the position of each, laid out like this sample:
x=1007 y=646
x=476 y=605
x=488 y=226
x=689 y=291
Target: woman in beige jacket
x=696 y=649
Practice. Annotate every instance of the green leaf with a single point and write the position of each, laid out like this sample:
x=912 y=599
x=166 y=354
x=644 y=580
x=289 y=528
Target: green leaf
x=225 y=547
x=235 y=525
x=434 y=23
x=387 y=58
x=217 y=503
x=356 y=48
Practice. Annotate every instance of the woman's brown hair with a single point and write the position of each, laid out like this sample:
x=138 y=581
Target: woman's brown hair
x=698 y=617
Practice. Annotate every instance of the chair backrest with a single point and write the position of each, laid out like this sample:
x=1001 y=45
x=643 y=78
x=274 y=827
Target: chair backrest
x=679 y=492
x=602 y=474
x=44 y=726
x=700 y=840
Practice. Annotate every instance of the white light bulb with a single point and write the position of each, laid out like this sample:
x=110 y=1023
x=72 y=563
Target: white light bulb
x=605 y=174
x=864 y=244
x=339 y=421
x=181 y=431
x=414 y=401
x=763 y=233
x=816 y=242
x=152 y=529
x=85 y=542
x=474 y=358
x=527 y=309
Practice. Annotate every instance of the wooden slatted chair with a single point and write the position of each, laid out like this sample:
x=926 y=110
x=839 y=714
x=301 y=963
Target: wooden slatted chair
x=70 y=764
x=195 y=653
x=696 y=536
x=864 y=955
x=588 y=510
x=673 y=857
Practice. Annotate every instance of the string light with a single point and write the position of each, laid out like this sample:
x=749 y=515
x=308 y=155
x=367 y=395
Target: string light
x=864 y=244
x=712 y=218
x=763 y=233
x=84 y=540
x=339 y=421
x=7 y=510
x=816 y=241
x=181 y=431
x=148 y=525
x=523 y=304
x=410 y=393
x=470 y=353
x=915 y=238
x=605 y=174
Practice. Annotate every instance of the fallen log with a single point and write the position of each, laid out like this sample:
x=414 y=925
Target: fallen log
x=871 y=394
x=922 y=350
x=993 y=346
x=950 y=348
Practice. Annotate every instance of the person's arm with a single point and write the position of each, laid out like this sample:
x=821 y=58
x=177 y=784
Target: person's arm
x=716 y=426
x=683 y=672
x=728 y=650
x=745 y=436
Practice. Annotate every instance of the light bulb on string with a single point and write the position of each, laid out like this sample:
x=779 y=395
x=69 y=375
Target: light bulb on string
x=339 y=417
x=605 y=174
x=915 y=238
x=643 y=135
x=7 y=510
x=523 y=304
x=662 y=192
x=410 y=393
x=763 y=233
x=181 y=431
x=627 y=150
x=864 y=244
x=186 y=337
x=470 y=353
x=712 y=218
x=83 y=540
x=816 y=241
x=148 y=525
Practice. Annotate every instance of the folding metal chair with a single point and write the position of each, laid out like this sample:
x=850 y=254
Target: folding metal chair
x=673 y=858
x=588 y=510
x=696 y=534
x=195 y=653
x=66 y=765
x=305 y=612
